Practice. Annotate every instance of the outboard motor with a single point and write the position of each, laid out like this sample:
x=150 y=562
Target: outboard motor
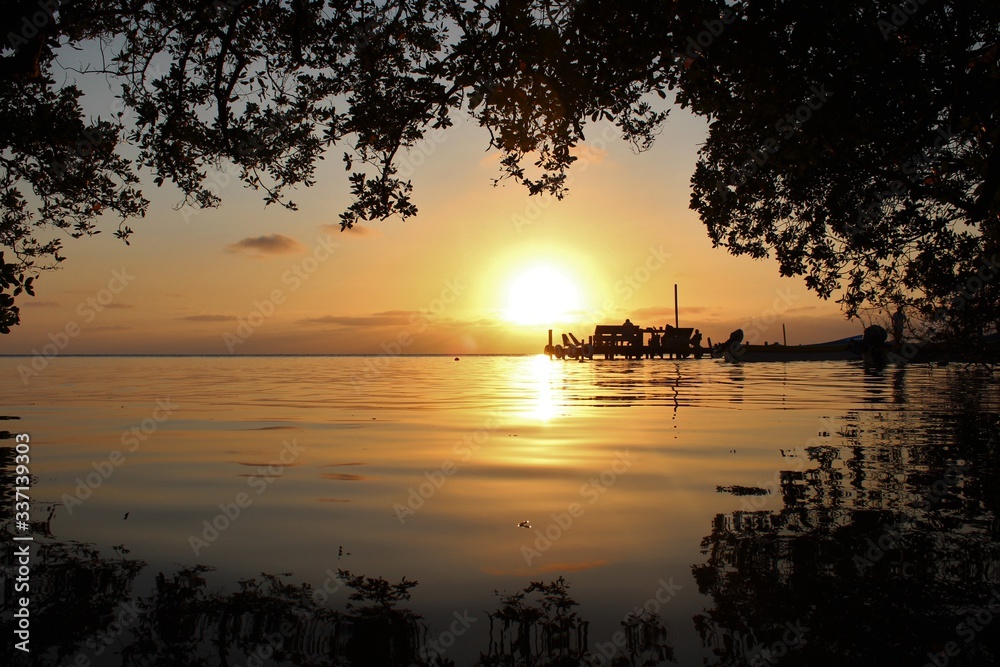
x=732 y=348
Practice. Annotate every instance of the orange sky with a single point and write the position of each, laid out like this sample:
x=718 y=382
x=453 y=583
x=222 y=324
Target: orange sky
x=438 y=283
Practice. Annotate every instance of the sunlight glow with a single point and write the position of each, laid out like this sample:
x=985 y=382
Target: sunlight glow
x=545 y=406
x=541 y=295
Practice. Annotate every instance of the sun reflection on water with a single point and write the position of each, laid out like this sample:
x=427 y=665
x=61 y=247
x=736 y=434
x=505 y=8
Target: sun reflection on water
x=544 y=394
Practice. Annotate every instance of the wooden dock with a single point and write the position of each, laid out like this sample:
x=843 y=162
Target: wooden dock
x=630 y=341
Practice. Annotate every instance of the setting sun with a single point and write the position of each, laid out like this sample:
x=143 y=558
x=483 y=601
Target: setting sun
x=541 y=295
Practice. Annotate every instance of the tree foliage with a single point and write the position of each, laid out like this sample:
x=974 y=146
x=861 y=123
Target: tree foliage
x=268 y=86
x=856 y=142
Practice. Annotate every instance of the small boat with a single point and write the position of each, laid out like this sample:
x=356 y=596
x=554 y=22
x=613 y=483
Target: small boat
x=870 y=347
x=817 y=352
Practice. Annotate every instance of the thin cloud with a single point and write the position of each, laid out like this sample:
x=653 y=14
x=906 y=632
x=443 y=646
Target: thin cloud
x=664 y=312
x=356 y=230
x=39 y=304
x=207 y=318
x=268 y=244
x=588 y=154
x=388 y=318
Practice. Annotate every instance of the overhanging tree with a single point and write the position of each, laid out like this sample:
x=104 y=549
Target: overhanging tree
x=857 y=141
x=267 y=86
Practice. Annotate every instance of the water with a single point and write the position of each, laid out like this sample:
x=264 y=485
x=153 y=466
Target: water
x=796 y=513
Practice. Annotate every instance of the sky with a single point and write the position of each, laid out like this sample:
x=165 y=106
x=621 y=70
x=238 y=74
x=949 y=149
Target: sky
x=480 y=269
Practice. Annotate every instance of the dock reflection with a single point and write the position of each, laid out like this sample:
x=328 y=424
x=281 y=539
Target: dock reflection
x=885 y=550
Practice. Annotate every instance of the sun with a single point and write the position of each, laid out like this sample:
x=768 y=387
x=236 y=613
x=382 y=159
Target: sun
x=541 y=295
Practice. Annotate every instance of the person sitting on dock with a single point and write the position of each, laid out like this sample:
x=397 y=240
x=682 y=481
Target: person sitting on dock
x=628 y=323
x=696 y=340
x=654 y=346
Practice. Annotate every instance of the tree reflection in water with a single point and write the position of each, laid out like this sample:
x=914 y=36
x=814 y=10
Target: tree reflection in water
x=885 y=552
x=537 y=626
x=85 y=612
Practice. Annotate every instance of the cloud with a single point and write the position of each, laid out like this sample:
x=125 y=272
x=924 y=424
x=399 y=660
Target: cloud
x=39 y=304
x=268 y=244
x=388 y=318
x=119 y=305
x=113 y=327
x=345 y=477
x=271 y=464
x=668 y=312
x=356 y=230
x=207 y=318
x=587 y=154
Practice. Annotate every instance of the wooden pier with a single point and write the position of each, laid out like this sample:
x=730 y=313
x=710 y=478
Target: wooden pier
x=630 y=341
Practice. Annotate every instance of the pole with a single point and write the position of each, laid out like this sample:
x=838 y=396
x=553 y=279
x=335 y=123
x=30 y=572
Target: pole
x=550 y=337
x=784 y=334
x=677 y=321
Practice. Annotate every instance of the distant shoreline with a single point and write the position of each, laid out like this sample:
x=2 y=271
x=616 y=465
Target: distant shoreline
x=304 y=354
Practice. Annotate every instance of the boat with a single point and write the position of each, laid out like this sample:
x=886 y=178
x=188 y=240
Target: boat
x=870 y=347
x=815 y=352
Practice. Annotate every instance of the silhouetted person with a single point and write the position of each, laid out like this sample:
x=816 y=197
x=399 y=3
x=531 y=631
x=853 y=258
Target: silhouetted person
x=654 y=346
x=696 y=340
x=898 y=322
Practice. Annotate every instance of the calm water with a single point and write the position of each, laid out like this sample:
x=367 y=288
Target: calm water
x=695 y=512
